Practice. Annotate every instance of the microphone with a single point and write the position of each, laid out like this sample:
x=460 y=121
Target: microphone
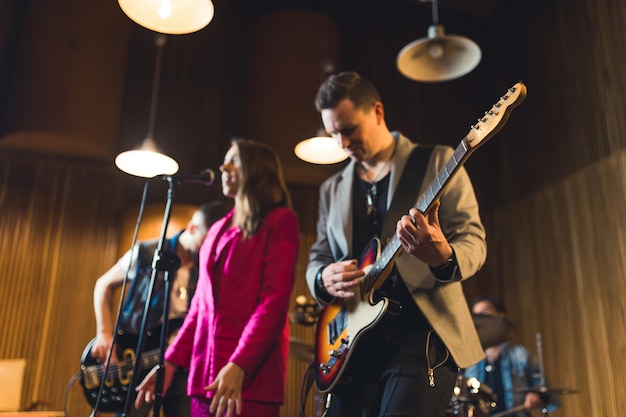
x=206 y=177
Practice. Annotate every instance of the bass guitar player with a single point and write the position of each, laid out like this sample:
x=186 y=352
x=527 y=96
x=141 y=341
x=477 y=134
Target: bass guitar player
x=137 y=264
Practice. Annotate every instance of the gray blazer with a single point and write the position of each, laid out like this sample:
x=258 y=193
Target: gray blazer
x=442 y=302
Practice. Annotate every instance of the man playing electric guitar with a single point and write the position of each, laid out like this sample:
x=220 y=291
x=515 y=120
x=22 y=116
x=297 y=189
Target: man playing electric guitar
x=405 y=363
x=186 y=245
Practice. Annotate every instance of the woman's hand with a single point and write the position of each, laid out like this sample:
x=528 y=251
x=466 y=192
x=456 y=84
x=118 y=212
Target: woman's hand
x=145 y=390
x=227 y=388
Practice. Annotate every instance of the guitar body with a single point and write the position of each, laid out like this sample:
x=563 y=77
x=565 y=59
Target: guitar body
x=118 y=378
x=342 y=324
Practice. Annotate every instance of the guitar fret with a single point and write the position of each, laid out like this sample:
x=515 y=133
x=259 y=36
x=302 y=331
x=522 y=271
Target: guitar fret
x=442 y=176
x=429 y=194
x=422 y=205
x=451 y=165
x=436 y=188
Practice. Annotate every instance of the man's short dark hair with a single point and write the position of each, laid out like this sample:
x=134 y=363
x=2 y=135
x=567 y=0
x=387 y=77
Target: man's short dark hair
x=495 y=302
x=212 y=212
x=350 y=85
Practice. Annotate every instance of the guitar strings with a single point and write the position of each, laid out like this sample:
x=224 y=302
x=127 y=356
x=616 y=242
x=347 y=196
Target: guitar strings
x=123 y=366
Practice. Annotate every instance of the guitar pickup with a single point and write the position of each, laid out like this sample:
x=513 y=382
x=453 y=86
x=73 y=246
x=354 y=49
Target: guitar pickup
x=337 y=325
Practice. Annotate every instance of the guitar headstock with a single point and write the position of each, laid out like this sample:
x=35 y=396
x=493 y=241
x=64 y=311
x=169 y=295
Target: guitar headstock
x=495 y=118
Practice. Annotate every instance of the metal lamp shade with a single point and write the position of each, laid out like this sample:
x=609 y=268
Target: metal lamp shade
x=172 y=17
x=439 y=57
x=146 y=161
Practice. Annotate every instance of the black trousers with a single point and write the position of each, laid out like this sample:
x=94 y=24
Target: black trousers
x=387 y=376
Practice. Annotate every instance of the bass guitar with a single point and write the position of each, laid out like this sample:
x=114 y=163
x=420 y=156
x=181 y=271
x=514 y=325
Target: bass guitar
x=342 y=323
x=118 y=377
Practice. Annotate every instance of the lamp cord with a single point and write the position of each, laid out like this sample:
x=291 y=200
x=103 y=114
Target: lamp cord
x=159 y=41
x=435 y=13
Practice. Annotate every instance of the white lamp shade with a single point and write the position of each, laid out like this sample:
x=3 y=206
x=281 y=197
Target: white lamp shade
x=173 y=17
x=146 y=161
x=439 y=57
x=320 y=150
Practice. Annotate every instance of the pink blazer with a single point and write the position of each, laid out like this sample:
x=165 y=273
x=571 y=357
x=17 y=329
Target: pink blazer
x=239 y=310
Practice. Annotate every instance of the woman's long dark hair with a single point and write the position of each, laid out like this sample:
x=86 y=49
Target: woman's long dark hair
x=261 y=185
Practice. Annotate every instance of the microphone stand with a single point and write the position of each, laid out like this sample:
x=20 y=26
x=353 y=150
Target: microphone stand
x=166 y=262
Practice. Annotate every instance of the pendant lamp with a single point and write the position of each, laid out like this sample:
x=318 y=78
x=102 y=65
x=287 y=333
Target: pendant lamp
x=174 y=17
x=147 y=161
x=321 y=148
x=438 y=57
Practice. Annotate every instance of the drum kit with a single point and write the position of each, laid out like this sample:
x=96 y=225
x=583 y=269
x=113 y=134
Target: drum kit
x=471 y=398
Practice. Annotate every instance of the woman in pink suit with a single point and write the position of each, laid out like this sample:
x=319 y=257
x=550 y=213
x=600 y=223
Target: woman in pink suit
x=235 y=338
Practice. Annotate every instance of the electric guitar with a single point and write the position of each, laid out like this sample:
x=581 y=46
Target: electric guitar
x=342 y=323
x=118 y=378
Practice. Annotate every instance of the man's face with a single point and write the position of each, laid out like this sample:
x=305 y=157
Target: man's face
x=485 y=307
x=198 y=231
x=354 y=129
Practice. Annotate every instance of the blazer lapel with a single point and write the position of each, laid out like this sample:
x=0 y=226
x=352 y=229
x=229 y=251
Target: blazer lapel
x=219 y=230
x=403 y=150
x=340 y=219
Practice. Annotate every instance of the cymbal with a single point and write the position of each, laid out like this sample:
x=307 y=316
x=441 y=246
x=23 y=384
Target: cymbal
x=545 y=390
x=492 y=330
x=301 y=350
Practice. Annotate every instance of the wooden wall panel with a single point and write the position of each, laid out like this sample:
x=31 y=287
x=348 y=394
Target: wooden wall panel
x=563 y=275
x=58 y=228
x=305 y=202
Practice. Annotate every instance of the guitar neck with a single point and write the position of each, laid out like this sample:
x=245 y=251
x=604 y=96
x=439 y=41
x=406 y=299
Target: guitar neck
x=487 y=126
x=148 y=360
x=432 y=192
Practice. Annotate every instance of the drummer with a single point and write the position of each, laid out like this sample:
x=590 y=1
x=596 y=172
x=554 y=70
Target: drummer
x=508 y=369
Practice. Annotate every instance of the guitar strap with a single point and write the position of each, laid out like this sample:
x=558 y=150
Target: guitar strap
x=135 y=301
x=408 y=190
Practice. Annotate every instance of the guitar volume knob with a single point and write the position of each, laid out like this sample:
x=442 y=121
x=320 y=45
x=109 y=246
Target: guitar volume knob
x=325 y=368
